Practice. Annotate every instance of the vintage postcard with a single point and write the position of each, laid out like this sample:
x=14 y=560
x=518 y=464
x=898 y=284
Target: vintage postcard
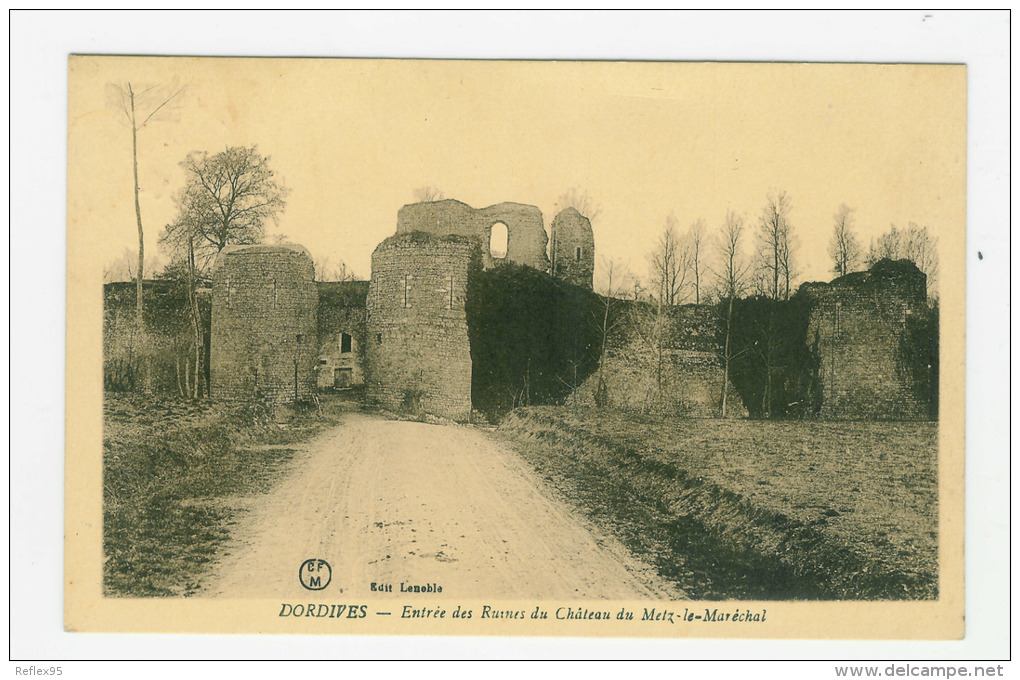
x=585 y=349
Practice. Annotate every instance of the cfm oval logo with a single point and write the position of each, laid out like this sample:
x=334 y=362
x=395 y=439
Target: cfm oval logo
x=315 y=574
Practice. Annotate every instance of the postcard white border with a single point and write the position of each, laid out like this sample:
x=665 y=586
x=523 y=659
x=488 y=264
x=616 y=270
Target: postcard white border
x=40 y=43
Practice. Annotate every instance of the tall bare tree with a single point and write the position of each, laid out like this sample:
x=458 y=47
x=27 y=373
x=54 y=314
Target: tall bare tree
x=915 y=244
x=614 y=280
x=775 y=246
x=844 y=248
x=668 y=264
x=141 y=106
x=326 y=270
x=732 y=276
x=580 y=201
x=428 y=194
x=696 y=261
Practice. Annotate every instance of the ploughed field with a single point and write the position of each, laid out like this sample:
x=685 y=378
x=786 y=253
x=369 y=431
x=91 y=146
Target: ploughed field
x=752 y=509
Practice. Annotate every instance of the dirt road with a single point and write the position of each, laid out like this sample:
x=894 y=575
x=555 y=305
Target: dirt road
x=390 y=502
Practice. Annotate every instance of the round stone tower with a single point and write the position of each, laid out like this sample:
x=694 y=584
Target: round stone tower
x=264 y=324
x=418 y=356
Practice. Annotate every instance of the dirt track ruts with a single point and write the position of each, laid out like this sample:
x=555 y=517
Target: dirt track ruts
x=388 y=502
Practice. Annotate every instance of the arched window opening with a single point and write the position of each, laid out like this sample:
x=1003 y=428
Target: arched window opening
x=498 y=238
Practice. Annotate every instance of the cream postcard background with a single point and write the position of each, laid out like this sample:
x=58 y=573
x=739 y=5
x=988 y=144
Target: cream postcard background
x=351 y=135
x=39 y=86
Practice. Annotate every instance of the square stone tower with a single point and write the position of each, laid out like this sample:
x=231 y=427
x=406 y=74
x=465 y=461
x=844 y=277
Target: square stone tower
x=573 y=248
x=858 y=328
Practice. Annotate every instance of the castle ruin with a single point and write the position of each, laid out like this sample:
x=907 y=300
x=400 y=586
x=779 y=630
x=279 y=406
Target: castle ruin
x=507 y=232
x=679 y=373
x=572 y=248
x=264 y=308
x=857 y=329
x=418 y=356
x=404 y=335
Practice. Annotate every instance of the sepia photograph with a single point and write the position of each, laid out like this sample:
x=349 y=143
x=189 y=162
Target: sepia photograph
x=557 y=348
x=373 y=336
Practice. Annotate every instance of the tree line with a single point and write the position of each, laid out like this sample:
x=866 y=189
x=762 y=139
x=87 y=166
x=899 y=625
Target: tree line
x=748 y=271
x=694 y=266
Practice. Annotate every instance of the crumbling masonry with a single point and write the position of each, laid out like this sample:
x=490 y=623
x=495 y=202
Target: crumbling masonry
x=278 y=335
x=418 y=354
x=418 y=357
x=264 y=306
x=857 y=329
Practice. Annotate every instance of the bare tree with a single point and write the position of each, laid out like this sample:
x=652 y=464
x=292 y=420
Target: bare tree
x=915 y=244
x=428 y=194
x=141 y=106
x=650 y=322
x=124 y=267
x=888 y=247
x=775 y=252
x=326 y=270
x=580 y=201
x=228 y=198
x=668 y=264
x=614 y=280
x=844 y=247
x=922 y=249
x=638 y=289
x=731 y=276
x=696 y=261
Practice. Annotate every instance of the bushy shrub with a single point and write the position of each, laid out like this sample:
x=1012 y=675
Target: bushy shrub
x=533 y=338
x=774 y=368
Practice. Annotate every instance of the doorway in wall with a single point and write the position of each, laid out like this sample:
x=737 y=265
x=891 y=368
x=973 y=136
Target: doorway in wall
x=343 y=378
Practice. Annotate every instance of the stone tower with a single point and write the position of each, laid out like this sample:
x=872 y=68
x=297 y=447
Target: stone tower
x=418 y=355
x=573 y=248
x=264 y=329
x=857 y=328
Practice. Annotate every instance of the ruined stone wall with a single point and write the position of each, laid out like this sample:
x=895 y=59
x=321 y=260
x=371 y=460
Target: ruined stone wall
x=264 y=327
x=418 y=356
x=857 y=327
x=342 y=311
x=573 y=248
x=684 y=381
x=527 y=241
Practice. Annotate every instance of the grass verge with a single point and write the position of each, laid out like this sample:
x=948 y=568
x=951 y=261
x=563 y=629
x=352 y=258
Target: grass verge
x=175 y=474
x=739 y=509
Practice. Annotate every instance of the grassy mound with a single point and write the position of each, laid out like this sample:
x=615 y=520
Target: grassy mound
x=752 y=509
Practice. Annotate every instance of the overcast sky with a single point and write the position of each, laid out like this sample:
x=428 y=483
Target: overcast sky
x=353 y=139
